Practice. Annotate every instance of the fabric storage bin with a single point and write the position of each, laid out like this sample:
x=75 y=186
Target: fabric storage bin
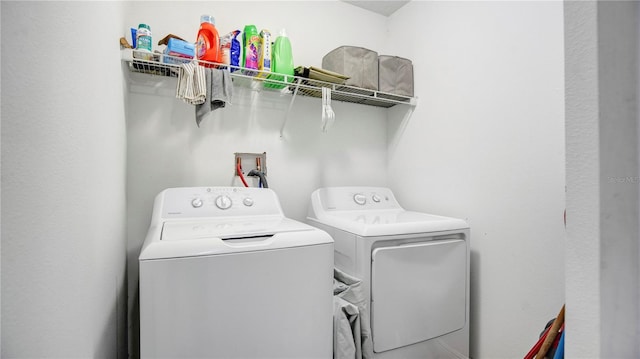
x=395 y=75
x=360 y=64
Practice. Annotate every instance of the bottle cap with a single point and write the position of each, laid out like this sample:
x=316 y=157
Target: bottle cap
x=144 y=26
x=207 y=18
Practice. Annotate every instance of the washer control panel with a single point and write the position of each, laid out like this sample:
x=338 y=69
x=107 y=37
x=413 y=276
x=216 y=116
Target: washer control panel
x=198 y=202
x=356 y=198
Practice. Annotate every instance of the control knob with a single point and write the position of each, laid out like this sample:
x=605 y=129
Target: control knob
x=248 y=201
x=360 y=199
x=223 y=202
x=196 y=202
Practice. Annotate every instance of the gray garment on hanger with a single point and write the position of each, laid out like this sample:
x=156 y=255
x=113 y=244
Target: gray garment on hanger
x=219 y=92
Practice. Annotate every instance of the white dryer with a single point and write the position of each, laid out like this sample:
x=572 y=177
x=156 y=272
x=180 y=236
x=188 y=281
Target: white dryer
x=224 y=274
x=414 y=268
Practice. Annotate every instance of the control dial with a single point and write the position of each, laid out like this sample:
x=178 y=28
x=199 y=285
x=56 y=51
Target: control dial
x=197 y=202
x=248 y=201
x=223 y=202
x=376 y=198
x=360 y=199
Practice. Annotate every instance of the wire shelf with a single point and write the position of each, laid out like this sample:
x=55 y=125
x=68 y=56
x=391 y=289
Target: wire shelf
x=168 y=66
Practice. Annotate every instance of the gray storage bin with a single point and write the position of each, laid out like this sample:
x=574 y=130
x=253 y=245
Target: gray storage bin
x=395 y=75
x=360 y=64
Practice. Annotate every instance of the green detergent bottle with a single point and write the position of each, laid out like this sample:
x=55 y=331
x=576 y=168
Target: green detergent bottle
x=281 y=61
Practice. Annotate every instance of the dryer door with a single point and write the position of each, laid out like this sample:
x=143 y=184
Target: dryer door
x=418 y=292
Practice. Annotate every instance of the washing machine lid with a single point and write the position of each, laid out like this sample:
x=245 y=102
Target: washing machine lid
x=369 y=223
x=231 y=228
x=189 y=238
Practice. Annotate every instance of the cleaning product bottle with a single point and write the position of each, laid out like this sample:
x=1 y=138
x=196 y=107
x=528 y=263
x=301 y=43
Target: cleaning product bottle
x=208 y=42
x=236 y=51
x=143 y=42
x=251 y=46
x=264 y=62
x=229 y=48
x=281 y=61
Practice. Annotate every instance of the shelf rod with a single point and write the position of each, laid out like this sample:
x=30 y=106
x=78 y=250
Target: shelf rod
x=287 y=115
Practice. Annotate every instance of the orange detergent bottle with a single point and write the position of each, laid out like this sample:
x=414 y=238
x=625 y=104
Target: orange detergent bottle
x=208 y=42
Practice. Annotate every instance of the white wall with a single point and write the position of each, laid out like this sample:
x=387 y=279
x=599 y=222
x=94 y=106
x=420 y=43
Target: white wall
x=602 y=266
x=583 y=247
x=486 y=143
x=618 y=143
x=63 y=163
x=167 y=149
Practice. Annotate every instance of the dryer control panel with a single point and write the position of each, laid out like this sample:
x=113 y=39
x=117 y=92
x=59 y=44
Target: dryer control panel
x=199 y=202
x=355 y=198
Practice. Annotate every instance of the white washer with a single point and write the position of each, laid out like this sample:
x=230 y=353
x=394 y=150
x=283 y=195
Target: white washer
x=414 y=267
x=223 y=274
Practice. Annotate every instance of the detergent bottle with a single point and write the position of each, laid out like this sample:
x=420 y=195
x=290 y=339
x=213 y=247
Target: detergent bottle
x=264 y=62
x=208 y=42
x=251 y=48
x=281 y=60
